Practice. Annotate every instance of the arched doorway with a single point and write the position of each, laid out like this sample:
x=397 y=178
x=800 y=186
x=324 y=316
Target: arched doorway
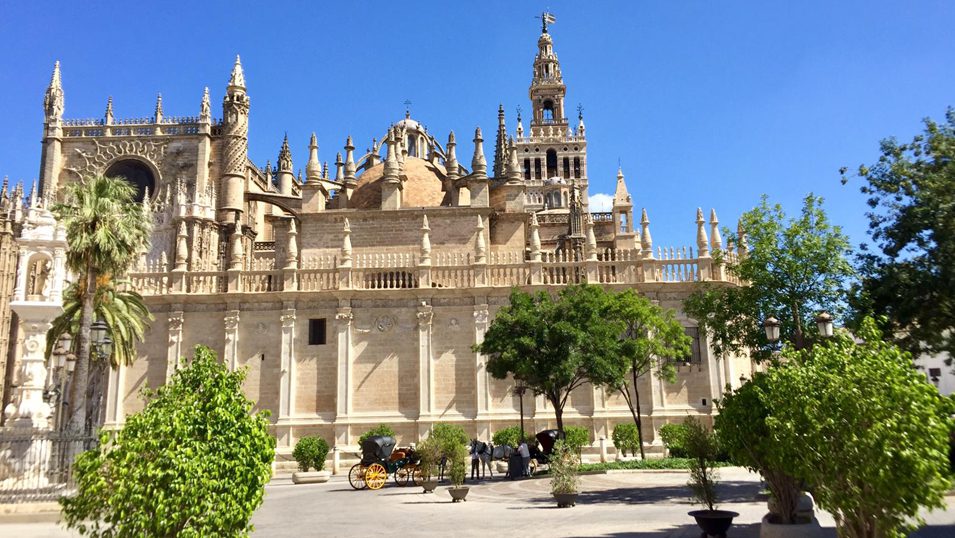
x=135 y=172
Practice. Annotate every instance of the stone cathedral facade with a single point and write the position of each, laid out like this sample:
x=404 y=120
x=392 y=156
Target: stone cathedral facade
x=353 y=294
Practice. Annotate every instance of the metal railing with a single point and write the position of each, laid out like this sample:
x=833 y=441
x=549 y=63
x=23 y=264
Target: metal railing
x=38 y=465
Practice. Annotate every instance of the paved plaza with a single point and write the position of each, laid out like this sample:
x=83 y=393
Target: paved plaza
x=644 y=504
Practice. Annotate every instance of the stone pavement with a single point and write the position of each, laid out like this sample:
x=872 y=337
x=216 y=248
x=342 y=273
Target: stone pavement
x=640 y=504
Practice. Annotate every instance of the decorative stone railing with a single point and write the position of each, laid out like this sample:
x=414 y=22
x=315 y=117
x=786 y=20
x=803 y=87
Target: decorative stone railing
x=171 y=126
x=391 y=271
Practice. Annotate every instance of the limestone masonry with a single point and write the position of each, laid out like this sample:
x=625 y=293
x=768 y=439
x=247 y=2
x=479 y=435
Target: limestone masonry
x=353 y=294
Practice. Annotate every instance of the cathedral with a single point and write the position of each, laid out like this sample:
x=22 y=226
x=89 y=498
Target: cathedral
x=353 y=295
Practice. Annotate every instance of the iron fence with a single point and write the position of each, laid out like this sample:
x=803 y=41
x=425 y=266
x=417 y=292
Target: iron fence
x=38 y=466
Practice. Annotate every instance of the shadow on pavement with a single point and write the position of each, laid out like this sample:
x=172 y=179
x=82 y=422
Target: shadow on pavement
x=689 y=530
x=934 y=531
x=727 y=492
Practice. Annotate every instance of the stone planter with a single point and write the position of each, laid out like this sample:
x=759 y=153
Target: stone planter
x=714 y=522
x=310 y=477
x=458 y=493
x=566 y=500
x=429 y=485
x=501 y=466
x=805 y=528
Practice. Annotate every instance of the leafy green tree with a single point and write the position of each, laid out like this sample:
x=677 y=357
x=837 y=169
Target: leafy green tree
x=126 y=317
x=510 y=436
x=626 y=438
x=909 y=275
x=652 y=341
x=381 y=429
x=743 y=433
x=673 y=436
x=792 y=270
x=868 y=431
x=194 y=462
x=701 y=448
x=576 y=438
x=105 y=232
x=553 y=345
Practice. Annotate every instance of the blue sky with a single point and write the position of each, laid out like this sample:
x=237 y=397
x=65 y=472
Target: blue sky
x=704 y=103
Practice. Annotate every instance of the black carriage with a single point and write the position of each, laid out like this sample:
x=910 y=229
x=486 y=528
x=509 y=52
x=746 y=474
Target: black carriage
x=379 y=459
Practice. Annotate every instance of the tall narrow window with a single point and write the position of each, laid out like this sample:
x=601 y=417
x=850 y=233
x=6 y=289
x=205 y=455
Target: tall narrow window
x=695 y=355
x=566 y=167
x=537 y=168
x=548 y=111
x=527 y=168
x=316 y=332
x=551 y=163
x=577 y=167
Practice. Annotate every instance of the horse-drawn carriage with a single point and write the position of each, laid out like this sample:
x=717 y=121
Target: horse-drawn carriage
x=379 y=459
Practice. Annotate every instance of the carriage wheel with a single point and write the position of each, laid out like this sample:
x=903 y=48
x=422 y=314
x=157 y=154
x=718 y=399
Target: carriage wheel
x=403 y=476
x=356 y=476
x=416 y=476
x=375 y=476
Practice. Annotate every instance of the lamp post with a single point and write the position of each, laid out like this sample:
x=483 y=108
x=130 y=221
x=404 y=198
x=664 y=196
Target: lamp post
x=771 y=326
x=519 y=391
x=65 y=363
x=824 y=324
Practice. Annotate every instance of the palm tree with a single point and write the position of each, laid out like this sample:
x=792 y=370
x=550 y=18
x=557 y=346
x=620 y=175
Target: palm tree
x=126 y=317
x=105 y=232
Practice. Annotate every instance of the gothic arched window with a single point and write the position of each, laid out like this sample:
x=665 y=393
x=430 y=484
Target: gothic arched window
x=548 y=111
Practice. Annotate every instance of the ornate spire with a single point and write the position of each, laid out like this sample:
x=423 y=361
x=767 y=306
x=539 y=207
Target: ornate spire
x=313 y=170
x=108 y=117
x=182 y=249
x=349 y=160
x=157 y=114
x=478 y=162
x=268 y=172
x=621 y=198
x=575 y=217
x=391 y=159
x=205 y=109
x=513 y=166
x=425 y=242
x=285 y=156
x=237 y=250
x=53 y=100
x=325 y=170
x=339 y=165
x=237 y=80
x=520 y=125
x=451 y=163
x=500 y=145
x=716 y=240
x=291 y=256
x=646 y=242
x=581 y=129
x=702 y=242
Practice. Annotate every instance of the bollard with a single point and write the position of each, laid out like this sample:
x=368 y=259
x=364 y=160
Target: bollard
x=603 y=450
x=336 y=460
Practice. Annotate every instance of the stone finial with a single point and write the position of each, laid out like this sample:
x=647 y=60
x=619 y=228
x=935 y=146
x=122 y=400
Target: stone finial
x=391 y=159
x=268 y=172
x=349 y=160
x=425 y=241
x=53 y=99
x=339 y=165
x=313 y=170
x=646 y=242
x=291 y=256
x=346 y=244
x=513 y=165
x=621 y=198
x=520 y=124
x=235 y=245
x=701 y=241
x=716 y=240
x=480 y=247
x=157 y=114
x=108 y=117
x=742 y=245
x=325 y=170
x=591 y=240
x=451 y=163
x=581 y=129
x=535 y=239
x=205 y=109
x=478 y=162
x=182 y=248
x=285 y=156
x=237 y=79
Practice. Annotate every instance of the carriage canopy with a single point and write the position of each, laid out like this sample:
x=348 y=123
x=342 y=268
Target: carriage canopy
x=376 y=448
x=547 y=439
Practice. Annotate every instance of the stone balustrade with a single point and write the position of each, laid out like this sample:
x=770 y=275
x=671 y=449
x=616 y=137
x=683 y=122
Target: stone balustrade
x=456 y=269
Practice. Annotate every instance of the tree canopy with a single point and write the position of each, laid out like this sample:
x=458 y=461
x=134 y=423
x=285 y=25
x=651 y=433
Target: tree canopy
x=194 y=462
x=909 y=275
x=792 y=270
x=868 y=431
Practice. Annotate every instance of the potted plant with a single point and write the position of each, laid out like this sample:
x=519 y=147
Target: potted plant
x=429 y=452
x=310 y=452
x=564 y=482
x=457 y=455
x=701 y=448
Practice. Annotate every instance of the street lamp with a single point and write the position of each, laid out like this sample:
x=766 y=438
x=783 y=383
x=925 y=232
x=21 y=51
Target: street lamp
x=99 y=334
x=824 y=324
x=771 y=326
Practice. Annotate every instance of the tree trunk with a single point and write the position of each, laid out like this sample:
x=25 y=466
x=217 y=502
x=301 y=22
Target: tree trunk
x=637 y=415
x=81 y=374
x=558 y=413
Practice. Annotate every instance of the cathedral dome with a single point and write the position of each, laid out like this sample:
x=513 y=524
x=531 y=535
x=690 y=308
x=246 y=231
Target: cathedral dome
x=422 y=181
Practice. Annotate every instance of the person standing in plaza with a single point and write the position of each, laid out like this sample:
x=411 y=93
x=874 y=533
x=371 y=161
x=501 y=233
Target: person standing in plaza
x=525 y=456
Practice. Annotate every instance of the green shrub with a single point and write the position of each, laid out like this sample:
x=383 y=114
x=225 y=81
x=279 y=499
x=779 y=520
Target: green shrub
x=429 y=452
x=310 y=452
x=701 y=448
x=563 y=467
x=652 y=463
x=194 y=462
x=626 y=438
x=576 y=438
x=674 y=438
x=381 y=429
x=458 y=460
x=510 y=436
